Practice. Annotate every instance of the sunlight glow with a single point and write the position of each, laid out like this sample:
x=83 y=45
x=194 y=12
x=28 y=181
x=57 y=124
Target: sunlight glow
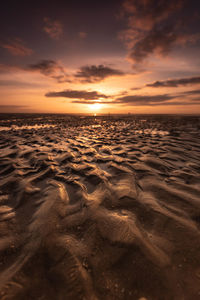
x=95 y=106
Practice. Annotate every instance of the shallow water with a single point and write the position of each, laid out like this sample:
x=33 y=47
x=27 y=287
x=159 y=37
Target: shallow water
x=100 y=208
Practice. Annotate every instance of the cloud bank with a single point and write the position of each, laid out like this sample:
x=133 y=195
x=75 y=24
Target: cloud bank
x=89 y=97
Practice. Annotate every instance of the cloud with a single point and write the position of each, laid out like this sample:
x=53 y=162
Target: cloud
x=157 y=41
x=145 y=14
x=55 y=70
x=90 y=97
x=46 y=67
x=153 y=27
x=176 y=103
x=136 y=88
x=51 y=69
x=193 y=92
x=78 y=95
x=93 y=73
x=86 y=74
x=86 y=101
x=175 y=82
x=17 y=48
x=154 y=100
x=54 y=29
x=143 y=99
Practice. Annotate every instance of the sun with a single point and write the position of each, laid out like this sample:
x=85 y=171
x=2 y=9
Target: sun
x=95 y=107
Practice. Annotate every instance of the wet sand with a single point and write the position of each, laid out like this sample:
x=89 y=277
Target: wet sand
x=100 y=208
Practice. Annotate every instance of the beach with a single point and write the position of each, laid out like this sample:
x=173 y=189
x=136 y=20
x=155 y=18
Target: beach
x=99 y=207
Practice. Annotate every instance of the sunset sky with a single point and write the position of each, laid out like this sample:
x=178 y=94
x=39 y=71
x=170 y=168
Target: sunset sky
x=100 y=56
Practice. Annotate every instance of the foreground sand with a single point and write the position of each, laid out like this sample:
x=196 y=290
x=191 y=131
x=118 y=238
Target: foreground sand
x=100 y=208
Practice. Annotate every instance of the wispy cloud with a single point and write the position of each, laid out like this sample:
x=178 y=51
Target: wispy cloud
x=53 y=28
x=175 y=82
x=16 y=47
x=96 y=73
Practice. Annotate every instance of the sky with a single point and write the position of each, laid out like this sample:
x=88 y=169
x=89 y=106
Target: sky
x=96 y=57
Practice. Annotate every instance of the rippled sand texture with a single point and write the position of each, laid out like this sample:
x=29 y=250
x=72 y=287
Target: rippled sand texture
x=101 y=209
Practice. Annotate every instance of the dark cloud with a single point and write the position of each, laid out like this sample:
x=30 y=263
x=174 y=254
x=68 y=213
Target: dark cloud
x=175 y=82
x=85 y=101
x=53 y=28
x=143 y=103
x=79 y=95
x=193 y=92
x=145 y=14
x=136 y=88
x=46 y=67
x=16 y=47
x=51 y=69
x=87 y=97
x=157 y=41
x=143 y=99
x=156 y=100
x=86 y=74
x=154 y=27
x=176 y=103
x=55 y=70
x=91 y=74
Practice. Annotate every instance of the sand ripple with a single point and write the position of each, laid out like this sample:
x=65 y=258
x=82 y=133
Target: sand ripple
x=100 y=209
